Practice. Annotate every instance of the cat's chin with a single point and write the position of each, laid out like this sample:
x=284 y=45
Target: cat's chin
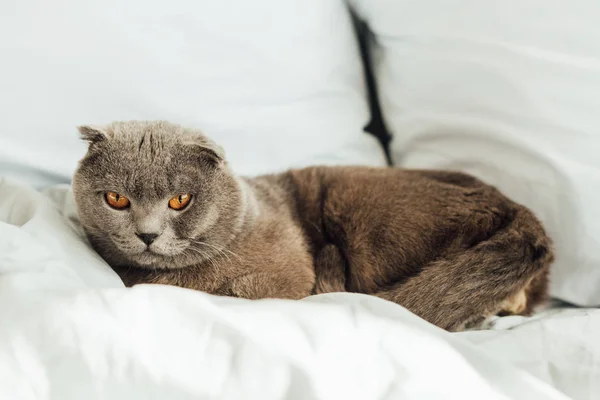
x=149 y=259
x=153 y=260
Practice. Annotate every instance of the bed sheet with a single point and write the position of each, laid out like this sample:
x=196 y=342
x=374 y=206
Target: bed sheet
x=70 y=330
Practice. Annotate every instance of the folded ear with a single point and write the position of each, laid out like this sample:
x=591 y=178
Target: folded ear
x=207 y=148
x=93 y=134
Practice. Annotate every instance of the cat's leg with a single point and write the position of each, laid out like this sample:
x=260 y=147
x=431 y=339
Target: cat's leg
x=273 y=285
x=329 y=276
x=330 y=270
x=455 y=290
x=524 y=301
x=515 y=304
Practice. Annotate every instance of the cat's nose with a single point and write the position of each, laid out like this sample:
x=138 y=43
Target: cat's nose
x=147 y=238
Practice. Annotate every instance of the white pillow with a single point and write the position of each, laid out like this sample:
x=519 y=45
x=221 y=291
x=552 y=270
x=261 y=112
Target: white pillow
x=277 y=83
x=508 y=91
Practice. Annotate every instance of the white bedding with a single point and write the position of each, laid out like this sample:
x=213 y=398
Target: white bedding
x=277 y=83
x=70 y=330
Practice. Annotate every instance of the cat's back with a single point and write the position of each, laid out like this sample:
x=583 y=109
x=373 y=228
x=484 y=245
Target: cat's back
x=357 y=185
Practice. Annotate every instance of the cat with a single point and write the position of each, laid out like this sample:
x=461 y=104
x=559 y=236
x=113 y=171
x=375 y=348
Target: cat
x=161 y=205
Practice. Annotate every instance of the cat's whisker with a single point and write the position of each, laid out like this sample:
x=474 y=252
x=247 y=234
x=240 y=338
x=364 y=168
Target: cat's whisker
x=217 y=248
x=197 y=251
x=220 y=253
x=316 y=227
x=210 y=260
x=206 y=244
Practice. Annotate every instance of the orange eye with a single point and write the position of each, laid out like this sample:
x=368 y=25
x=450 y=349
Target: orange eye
x=116 y=201
x=180 y=202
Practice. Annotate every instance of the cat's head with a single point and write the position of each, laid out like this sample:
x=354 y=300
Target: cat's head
x=155 y=195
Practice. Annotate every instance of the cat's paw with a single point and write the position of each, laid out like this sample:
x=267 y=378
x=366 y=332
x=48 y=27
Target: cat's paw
x=515 y=304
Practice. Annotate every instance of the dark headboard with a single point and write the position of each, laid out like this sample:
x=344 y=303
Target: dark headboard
x=376 y=126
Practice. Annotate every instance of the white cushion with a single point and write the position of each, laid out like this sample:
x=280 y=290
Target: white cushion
x=277 y=83
x=508 y=91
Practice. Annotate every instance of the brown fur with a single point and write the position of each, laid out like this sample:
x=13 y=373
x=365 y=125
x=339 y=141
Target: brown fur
x=446 y=246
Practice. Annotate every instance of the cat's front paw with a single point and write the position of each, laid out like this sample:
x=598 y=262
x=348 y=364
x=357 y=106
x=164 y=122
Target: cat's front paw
x=515 y=304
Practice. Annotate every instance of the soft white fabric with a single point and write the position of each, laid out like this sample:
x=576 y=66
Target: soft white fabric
x=509 y=91
x=71 y=330
x=558 y=346
x=277 y=83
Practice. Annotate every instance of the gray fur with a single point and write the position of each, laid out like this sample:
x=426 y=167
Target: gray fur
x=149 y=163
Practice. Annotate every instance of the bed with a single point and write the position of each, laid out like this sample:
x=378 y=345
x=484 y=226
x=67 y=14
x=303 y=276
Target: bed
x=72 y=331
x=281 y=83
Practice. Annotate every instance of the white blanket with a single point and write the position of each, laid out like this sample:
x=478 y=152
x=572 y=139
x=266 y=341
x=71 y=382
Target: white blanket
x=70 y=330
